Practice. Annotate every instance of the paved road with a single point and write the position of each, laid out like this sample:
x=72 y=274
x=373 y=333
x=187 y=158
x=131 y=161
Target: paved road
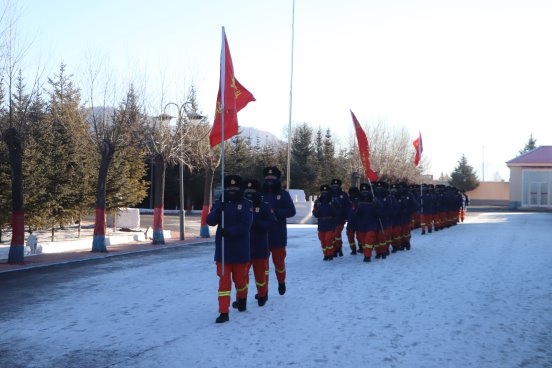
x=460 y=298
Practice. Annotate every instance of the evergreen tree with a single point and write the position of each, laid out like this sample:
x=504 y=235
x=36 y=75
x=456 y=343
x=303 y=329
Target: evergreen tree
x=303 y=166
x=125 y=184
x=530 y=145
x=36 y=167
x=13 y=134
x=345 y=168
x=321 y=171
x=463 y=177
x=66 y=166
x=238 y=158
x=329 y=169
x=5 y=177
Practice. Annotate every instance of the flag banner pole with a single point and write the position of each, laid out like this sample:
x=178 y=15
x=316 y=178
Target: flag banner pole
x=288 y=174
x=222 y=93
x=232 y=98
x=419 y=149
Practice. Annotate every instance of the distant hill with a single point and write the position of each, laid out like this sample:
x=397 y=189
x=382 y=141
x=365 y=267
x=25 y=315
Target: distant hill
x=263 y=136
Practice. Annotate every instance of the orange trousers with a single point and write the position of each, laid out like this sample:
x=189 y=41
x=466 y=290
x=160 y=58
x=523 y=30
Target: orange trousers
x=260 y=273
x=327 y=242
x=279 y=261
x=236 y=272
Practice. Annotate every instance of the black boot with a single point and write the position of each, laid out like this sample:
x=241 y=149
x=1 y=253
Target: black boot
x=366 y=259
x=241 y=304
x=282 y=288
x=235 y=305
x=262 y=300
x=353 y=252
x=222 y=318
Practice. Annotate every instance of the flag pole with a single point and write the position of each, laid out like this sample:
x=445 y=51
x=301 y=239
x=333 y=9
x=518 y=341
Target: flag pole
x=222 y=95
x=290 y=96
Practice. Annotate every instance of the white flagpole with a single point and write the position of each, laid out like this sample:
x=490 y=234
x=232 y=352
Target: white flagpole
x=290 y=97
x=222 y=95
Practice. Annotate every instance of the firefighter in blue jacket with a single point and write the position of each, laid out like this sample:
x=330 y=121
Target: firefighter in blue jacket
x=281 y=203
x=233 y=218
x=338 y=194
x=326 y=210
x=263 y=220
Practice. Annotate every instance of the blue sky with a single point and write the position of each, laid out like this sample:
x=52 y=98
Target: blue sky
x=474 y=77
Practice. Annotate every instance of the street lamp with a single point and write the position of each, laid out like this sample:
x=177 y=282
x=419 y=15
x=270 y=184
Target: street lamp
x=190 y=116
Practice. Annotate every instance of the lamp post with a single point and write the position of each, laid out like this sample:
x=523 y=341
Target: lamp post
x=183 y=112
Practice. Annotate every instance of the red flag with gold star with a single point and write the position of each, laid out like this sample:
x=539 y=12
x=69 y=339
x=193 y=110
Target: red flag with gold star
x=236 y=97
x=419 y=148
x=364 y=150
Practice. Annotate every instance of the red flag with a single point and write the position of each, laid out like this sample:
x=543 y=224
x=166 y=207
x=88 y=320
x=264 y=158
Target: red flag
x=236 y=97
x=419 y=148
x=364 y=150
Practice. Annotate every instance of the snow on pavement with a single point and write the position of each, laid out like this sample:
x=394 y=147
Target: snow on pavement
x=478 y=294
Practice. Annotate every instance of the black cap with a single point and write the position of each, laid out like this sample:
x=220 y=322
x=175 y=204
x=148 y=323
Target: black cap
x=272 y=171
x=232 y=181
x=252 y=184
x=336 y=182
x=353 y=191
x=324 y=188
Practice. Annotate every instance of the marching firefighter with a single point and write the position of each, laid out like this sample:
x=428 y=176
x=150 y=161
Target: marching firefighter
x=233 y=218
x=281 y=203
x=325 y=210
x=263 y=219
x=426 y=208
x=338 y=194
x=369 y=222
x=386 y=214
x=352 y=222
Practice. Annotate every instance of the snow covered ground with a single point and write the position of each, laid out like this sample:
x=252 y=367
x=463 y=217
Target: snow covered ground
x=476 y=295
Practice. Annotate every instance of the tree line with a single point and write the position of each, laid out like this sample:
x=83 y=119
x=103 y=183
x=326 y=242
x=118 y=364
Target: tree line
x=66 y=154
x=68 y=145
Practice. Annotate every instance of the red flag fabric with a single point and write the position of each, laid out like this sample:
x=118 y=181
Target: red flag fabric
x=236 y=97
x=364 y=150
x=419 y=148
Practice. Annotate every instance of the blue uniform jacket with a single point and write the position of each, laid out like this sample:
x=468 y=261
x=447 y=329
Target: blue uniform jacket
x=345 y=204
x=352 y=218
x=326 y=213
x=283 y=208
x=238 y=217
x=263 y=220
x=369 y=215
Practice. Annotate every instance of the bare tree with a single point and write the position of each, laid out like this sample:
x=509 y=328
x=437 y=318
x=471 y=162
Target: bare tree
x=112 y=130
x=209 y=159
x=180 y=144
x=391 y=154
